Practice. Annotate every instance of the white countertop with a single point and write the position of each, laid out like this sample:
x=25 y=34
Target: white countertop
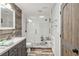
x=16 y=40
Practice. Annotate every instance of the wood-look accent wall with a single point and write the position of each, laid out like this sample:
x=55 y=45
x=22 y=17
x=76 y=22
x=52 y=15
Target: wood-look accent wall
x=18 y=23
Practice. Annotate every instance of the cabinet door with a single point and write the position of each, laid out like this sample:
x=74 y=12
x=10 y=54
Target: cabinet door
x=24 y=48
x=75 y=26
x=19 y=49
x=13 y=51
x=66 y=40
x=70 y=29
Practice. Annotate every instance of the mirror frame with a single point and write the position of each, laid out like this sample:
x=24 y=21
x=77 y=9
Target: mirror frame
x=6 y=28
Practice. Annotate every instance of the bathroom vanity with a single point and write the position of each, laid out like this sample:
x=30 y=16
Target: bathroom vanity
x=18 y=48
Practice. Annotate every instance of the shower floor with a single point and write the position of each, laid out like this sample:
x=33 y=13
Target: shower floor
x=41 y=52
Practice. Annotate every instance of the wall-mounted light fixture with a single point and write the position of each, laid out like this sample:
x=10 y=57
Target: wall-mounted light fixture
x=41 y=16
x=29 y=20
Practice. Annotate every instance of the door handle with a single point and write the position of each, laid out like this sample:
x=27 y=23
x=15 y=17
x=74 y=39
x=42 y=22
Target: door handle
x=75 y=51
x=25 y=30
x=1 y=20
x=60 y=35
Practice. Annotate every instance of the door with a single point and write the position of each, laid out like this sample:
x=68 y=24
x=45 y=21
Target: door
x=33 y=30
x=70 y=28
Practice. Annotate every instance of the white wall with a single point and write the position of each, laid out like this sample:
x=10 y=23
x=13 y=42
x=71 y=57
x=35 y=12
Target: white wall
x=55 y=30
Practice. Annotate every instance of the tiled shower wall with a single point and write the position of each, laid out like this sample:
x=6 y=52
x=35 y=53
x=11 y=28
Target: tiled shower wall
x=37 y=28
x=18 y=23
x=56 y=29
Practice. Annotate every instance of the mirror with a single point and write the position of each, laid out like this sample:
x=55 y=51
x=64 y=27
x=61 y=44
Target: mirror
x=7 y=17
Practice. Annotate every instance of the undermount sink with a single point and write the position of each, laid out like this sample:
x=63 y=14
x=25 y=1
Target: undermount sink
x=6 y=42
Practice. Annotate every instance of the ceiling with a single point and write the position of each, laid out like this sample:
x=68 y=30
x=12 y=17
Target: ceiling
x=36 y=9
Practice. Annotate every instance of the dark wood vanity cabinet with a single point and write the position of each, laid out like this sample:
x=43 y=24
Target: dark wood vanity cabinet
x=5 y=54
x=21 y=48
x=13 y=51
x=17 y=50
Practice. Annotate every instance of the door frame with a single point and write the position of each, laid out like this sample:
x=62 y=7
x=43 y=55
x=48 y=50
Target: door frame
x=62 y=35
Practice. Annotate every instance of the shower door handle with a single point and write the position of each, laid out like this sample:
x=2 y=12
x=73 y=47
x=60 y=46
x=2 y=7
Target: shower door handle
x=60 y=35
